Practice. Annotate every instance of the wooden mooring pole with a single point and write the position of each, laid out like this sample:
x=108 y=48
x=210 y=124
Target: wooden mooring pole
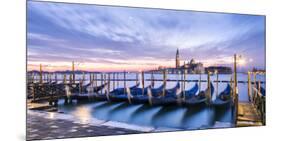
x=95 y=80
x=64 y=79
x=209 y=96
x=117 y=79
x=152 y=79
x=217 y=91
x=164 y=82
x=124 y=82
x=184 y=84
x=142 y=82
x=137 y=77
x=73 y=72
x=113 y=77
x=41 y=75
x=199 y=81
x=108 y=87
x=56 y=78
x=235 y=89
x=249 y=86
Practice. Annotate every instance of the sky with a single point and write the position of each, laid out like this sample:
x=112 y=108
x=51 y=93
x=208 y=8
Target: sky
x=107 y=38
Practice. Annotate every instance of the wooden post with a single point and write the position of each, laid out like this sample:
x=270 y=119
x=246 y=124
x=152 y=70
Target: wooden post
x=83 y=77
x=113 y=87
x=47 y=78
x=235 y=89
x=32 y=78
x=41 y=74
x=255 y=81
x=117 y=79
x=209 y=97
x=199 y=81
x=124 y=82
x=70 y=79
x=95 y=79
x=142 y=82
x=152 y=79
x=217 y=92
x=184 y=79
x=259 y=86
x=164 y=82
x=181 y=82
x=50 y=77
x=104 y=80
x=101 y=81
x=137 y=78
x=108 y=87
x=56 y=77
x=64 y=79
x=249 y=86
x=80 y=85
x=91 y=79
x=73 y=72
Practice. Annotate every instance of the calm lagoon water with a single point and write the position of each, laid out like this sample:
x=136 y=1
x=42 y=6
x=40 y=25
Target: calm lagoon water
x=179 y=117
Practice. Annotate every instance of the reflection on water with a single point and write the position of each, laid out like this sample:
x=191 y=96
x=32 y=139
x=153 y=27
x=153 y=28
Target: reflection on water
x=51 y=115
x=145 y=115
x=83 y=114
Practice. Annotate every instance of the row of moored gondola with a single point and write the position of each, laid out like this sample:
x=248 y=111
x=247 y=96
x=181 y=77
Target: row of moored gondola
x=159 y=96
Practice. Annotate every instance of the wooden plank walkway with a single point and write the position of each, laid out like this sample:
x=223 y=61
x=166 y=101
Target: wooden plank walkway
x=248 y=115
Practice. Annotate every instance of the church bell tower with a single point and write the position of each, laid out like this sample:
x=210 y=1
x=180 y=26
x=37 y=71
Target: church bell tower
x=177 y=59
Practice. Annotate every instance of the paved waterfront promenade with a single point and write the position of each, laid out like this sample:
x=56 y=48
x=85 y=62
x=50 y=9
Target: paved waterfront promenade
x=39 y=127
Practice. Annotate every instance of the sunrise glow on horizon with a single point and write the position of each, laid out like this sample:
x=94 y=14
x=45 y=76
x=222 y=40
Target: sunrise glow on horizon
x=105 y=38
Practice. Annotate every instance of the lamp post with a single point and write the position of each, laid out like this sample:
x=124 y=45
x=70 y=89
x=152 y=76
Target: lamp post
x=235 y=95
x=235 y=91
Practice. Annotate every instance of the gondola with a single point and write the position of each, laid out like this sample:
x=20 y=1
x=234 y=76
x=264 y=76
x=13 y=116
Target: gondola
x=142 y=96
x=137 y=95
x=262 y=90
x=191 y=92
x=223 y=98
x=87 y=94
x=120 y=94
x=199 y=99
x=169 y=98
x=120 y=91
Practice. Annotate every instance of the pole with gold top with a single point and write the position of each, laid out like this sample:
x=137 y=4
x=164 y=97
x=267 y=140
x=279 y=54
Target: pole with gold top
x=73 y=73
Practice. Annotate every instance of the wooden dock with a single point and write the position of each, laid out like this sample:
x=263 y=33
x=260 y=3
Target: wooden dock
x=248 y=115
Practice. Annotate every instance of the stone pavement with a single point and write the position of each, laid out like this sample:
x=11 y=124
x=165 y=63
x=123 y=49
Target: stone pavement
x=39 y=127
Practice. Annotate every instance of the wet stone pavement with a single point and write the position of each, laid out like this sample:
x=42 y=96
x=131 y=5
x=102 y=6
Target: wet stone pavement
x=43 y=128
